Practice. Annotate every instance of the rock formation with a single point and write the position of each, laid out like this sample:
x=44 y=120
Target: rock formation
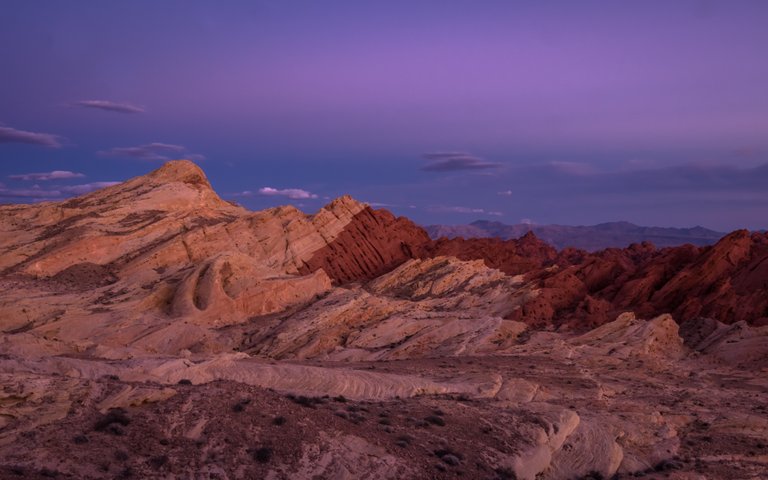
x=591 y=238
x=152 y=329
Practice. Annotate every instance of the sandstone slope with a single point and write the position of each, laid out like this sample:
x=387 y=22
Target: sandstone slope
x=153 y=330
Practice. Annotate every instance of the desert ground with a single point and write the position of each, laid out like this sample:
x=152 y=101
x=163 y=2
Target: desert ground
x=153 y=330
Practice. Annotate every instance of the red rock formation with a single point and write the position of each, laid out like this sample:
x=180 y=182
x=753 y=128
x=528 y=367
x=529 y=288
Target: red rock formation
x=372 y=243
x=727 y=281
x=512 y=257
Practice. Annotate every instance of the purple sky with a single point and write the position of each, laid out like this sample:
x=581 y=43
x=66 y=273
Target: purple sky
x=655 y=112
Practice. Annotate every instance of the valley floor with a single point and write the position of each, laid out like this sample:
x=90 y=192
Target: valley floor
x=524 y=415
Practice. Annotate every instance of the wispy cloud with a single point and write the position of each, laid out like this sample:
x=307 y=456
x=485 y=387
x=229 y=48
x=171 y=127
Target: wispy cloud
x=37 y=193
x=506 y=193
x=459 y=209
x=12 y=135
x=110 y=106
x=573 y=168
x=33 y=193
x=43 y=176
x=452 y=161
x=87 y=187
x=153 y=151
x=293 y=193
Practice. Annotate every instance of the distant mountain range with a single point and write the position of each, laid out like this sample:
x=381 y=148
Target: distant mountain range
x=591 y=238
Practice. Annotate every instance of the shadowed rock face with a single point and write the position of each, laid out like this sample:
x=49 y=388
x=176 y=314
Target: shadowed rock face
x=591 y=238
x=203 y=323
x=372 y=243
x=512 y=257
x=727 y=281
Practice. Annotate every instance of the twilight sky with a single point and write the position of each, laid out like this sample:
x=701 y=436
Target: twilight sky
x=654 y=112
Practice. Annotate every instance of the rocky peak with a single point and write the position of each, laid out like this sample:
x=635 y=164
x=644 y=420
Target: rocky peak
x=345 y=205
x=181 y=171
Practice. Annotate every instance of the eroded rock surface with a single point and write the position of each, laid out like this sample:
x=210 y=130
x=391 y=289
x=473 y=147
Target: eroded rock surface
x=153 y=330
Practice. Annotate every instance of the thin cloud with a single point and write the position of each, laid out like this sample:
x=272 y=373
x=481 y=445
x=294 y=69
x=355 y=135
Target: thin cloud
x=506 y=193
x=573 y=168
x=37 y=193
x=110 y=106
x=44 y=176
x=155 y=151
x=459 y=209
x=87 y=187
x=453 y=161
x=11 y=135
x=292 y=193
x=34 y=193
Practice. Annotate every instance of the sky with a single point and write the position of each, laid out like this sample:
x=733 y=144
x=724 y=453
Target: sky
x=653 y=112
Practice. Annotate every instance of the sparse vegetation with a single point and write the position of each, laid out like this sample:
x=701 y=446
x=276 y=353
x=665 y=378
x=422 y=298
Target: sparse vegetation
x=262 y=454
x=240 y=406
x=403 y=441
x=279 y=420
x=111 y=420
x=308 y=402
x=593 y=475
x=505 y=473
x=435 y=420
x=158 y=461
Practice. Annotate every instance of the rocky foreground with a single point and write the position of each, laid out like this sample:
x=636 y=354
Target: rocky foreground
x=153 y=330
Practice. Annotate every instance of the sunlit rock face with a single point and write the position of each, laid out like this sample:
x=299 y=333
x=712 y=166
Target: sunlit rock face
x=153 y=329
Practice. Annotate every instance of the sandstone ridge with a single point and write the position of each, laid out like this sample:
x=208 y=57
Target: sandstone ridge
x=167 y=333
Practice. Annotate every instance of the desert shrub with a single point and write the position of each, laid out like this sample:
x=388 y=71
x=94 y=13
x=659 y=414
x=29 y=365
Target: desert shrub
x=385 y=421
x=340 y=399
x=504 y=473
x=667 y=465
x=403 y=441
x=357 y=408
x=262 y=454
x=159 y=461
x=593 y=475
x=435 y=420
x=304 y=401
x=279 y=420
x=185 y=381
x=442 y=452
x=451 y=460
x=80 y=439
x=17 y=470
x=240 y=406
x=112 y=417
